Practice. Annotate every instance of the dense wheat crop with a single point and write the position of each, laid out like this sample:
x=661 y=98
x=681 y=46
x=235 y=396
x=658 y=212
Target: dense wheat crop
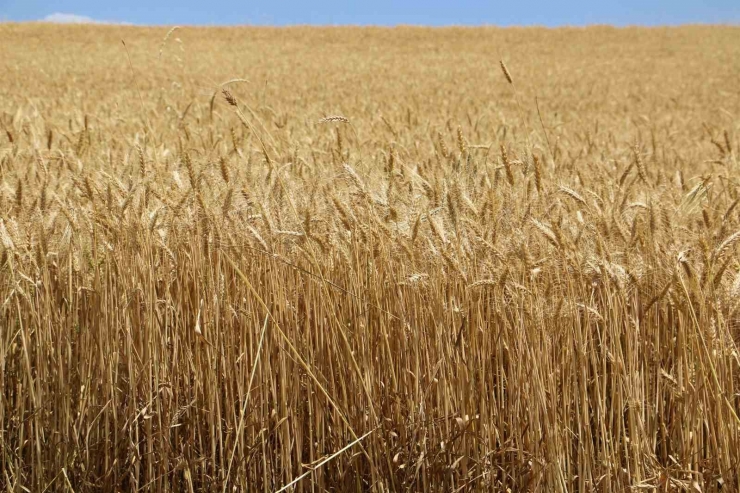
x=369 y=259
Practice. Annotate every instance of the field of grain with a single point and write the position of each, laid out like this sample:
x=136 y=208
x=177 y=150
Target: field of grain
x=365 y=259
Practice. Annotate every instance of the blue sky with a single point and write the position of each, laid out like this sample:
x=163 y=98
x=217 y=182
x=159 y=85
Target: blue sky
x=378 y=12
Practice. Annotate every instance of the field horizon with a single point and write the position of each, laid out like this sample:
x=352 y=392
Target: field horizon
x=369 y=258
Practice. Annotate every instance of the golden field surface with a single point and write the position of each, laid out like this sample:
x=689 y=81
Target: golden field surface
x=361 y=259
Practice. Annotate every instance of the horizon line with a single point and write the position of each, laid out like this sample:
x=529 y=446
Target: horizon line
x=110 y=23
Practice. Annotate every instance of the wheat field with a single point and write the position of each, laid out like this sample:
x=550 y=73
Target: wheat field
x=369 y=259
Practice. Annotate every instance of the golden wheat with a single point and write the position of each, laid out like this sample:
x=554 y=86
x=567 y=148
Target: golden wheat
x=216 y=293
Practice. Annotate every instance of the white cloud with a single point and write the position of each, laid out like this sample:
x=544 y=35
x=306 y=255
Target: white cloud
x=61 y=18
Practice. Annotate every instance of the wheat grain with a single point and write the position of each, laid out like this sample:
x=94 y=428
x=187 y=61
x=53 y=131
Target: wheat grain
x=506 y=72
x=334 y=118
x=374 y=307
